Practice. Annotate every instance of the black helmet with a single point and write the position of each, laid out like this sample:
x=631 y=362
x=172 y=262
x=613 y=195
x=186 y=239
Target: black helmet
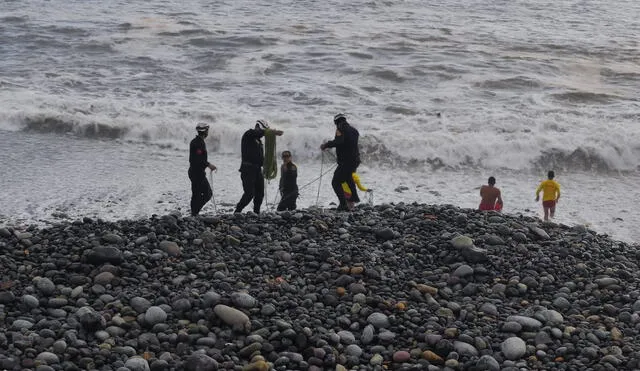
x=202 y=127
x=339 y=118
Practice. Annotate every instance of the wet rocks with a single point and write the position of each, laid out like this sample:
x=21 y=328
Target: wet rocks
x=233 y=317
x=514 y=348
x=104 y=254
x=391 y=286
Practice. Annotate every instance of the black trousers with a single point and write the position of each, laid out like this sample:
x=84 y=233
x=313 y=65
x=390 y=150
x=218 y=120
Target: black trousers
x=253 y=188
x=288 y=201
x=200 y=191
x=343 y=174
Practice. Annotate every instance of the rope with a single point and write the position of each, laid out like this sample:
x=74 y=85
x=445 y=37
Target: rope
x=213 y=198
x=270 y=167
x=320 y=182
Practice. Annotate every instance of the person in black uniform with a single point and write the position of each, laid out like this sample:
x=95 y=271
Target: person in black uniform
x=251 y=166
x=288 y=183
x=200 y=187
x=348 y=157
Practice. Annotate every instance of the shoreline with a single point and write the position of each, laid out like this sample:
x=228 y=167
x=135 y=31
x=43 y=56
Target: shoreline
x=394 y=286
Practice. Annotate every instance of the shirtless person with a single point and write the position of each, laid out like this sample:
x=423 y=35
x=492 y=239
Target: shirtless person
x=491 y=197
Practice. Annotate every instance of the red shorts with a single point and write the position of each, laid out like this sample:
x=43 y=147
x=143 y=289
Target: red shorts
x=489 y=207
x=550 y=203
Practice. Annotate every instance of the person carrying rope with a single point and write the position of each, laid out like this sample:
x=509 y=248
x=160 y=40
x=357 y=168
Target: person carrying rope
x=348 y=158
x=251 y=165
x=200 y=188
x=288 y=183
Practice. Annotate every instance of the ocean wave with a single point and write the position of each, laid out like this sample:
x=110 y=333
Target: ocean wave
x=385 y=74
x=518 y=82
x=585 y=97
x=580 y=159
x=14 y=19
x=67 y=31
x=57 y=125
x=233 y=41
x=187 y=32
x=95 y=46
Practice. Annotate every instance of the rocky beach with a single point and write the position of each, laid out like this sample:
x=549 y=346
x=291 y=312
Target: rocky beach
x=387 y=287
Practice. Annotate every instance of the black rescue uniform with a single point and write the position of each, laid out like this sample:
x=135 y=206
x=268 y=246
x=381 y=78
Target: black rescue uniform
x=251 y=170
x=348 y=158
x=288 y=186
x=200 y=187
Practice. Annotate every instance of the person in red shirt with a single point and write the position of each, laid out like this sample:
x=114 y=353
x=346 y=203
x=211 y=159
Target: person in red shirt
x=491 y=197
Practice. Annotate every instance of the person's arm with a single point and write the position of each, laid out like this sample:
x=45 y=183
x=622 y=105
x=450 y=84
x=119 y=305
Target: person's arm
x=199 y=154
x=557 y=191
x=282 y=177
x=538 y=191
x=499 y=201
x=337 y=140
x=294 y=176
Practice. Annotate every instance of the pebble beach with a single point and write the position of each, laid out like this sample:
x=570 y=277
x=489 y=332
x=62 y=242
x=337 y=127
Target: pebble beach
x=387 y=287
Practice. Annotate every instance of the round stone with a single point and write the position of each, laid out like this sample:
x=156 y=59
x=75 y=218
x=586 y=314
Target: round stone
x=137 y=364
x=155 y=315
x=514 y=348
x=378 y=320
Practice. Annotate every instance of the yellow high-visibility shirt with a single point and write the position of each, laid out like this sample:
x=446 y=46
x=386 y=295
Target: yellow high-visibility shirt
x=550 y=190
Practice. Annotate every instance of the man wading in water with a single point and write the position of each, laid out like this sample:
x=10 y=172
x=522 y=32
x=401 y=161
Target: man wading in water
x=491 y=199
x=200 y=187
x=348 y=158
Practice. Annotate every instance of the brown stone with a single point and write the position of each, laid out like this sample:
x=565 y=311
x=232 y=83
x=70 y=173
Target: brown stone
x=432 y=357
x=426 y=289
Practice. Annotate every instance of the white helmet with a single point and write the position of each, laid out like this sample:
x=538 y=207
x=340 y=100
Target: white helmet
x=202 y=127
x=263 y=123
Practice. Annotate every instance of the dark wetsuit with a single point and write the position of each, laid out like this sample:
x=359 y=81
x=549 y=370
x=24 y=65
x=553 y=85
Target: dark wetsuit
x=200 y=188
x=288 y=186
x=251 y=170
x=348 y=158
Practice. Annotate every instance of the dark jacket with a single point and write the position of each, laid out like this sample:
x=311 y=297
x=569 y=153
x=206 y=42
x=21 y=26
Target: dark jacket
x=198 y=155
x=288 y=178
x=346 y=145
x=252 y=149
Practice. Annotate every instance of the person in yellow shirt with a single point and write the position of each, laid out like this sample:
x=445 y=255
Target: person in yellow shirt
x=347 y=191
x=550 y=195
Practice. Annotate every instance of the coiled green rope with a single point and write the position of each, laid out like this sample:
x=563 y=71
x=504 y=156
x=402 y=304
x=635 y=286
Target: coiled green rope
x=270 y=167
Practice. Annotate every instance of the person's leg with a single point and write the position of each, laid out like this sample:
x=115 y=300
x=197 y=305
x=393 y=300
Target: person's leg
x=199 y=198
x=194 y=195
x=352 y=185
x=339 y=176
x=552 y=211
x=206 y=192
x=258 y=192
x=288 y=202
x=546 y=213
x=248 y=186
